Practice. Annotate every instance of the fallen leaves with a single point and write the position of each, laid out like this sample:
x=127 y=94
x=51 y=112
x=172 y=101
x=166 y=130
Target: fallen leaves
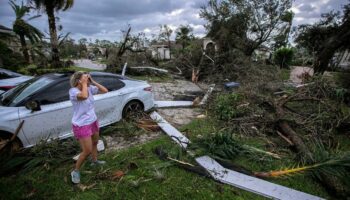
x=117 y=175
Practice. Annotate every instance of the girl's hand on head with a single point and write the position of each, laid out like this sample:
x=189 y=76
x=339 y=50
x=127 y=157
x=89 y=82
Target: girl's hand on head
x=84 y=79
x=90 y=78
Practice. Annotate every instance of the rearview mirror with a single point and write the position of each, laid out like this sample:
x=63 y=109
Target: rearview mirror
x=33 y=106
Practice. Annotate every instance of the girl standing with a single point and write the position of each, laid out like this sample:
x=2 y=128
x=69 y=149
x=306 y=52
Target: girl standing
x=84 y=121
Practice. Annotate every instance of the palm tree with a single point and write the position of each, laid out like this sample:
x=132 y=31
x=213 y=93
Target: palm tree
x=50 y=6
x=183 y=35
x=23 y=29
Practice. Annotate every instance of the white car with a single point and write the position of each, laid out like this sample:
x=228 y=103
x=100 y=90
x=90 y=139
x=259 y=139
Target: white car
x=43 y=103
x=10 y=79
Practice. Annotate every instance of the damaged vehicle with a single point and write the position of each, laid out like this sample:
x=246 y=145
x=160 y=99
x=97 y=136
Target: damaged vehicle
x=44 y=106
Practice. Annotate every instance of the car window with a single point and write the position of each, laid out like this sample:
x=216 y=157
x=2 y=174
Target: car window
x=54 y=94
x=110 y=82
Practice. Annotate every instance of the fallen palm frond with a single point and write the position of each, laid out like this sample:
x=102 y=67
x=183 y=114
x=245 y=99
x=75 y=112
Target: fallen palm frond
x=45 y=154
x=254 y=149
x=337 y=166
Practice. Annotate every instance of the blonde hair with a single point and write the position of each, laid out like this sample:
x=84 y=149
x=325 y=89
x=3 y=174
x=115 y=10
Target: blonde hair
x=74 y=79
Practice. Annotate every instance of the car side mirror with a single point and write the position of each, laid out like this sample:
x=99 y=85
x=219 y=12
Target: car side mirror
x=33 y=106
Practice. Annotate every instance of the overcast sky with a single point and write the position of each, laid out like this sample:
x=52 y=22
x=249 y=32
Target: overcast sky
x=103 y=19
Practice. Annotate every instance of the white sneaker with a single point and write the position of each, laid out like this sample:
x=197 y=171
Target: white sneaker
x=75 y=176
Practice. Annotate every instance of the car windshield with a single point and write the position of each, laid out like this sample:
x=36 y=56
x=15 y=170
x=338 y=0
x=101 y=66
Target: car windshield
x=22 y=91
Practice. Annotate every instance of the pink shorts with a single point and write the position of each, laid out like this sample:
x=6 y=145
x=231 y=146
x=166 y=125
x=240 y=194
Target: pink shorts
x=85 y=131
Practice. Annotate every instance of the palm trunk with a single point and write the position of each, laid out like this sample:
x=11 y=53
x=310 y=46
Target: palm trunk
x=53 y=38
x=24 y=48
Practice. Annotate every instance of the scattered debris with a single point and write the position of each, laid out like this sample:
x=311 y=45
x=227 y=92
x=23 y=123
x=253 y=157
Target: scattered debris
x=230 y=177
x=170 y=130
x=117 y=175
x=206 y=96
x=151 y=68
x=202 y=116
x=148 y=125
x=85 y=187
x=5 y=143
x=124 y=69
x=230 y=85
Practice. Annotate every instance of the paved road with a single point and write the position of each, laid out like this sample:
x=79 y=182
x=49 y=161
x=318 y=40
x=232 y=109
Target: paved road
x=86 y=63
x=297 y=72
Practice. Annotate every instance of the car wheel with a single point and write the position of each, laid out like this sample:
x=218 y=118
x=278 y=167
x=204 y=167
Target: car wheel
x=133 y=110
x=9 y=147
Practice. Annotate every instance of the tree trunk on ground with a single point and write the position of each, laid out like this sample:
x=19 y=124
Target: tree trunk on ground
x=331 y=183
x=24 y=48
x=295 y=139
x=53 y=39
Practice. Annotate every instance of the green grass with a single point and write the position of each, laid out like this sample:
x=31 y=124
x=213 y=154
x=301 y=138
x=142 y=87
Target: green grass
x=54 y=183
x=285 y=74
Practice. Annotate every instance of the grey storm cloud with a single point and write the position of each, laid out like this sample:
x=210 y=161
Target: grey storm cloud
x=309 y=11
x=103 y=19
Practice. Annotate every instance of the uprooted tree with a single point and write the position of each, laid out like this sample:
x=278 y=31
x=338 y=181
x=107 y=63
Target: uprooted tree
x=248 y=24
x=325 y=38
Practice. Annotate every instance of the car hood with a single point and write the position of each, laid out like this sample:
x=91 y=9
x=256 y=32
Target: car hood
x=5 y=111
x=14 y=81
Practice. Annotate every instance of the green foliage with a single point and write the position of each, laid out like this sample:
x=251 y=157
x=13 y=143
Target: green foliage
x=184 y=35
x=285 y=74
x=222 y=145
x=21 y=27
x=36 y=70
x=283 y=57
x=247 y=24
x=227 y=106
x=9 y=59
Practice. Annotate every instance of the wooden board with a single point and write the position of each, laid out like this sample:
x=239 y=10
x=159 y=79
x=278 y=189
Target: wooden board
x=175 y=135
x=172 y=104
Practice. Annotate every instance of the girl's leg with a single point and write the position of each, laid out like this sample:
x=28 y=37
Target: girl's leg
x=86 y=146
x=95 y=137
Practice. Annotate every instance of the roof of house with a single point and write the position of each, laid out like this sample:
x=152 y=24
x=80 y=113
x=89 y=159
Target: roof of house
x=4 y=29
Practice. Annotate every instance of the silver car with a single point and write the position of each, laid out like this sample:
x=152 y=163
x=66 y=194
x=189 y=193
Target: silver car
x=10 y=79
x=43 y=103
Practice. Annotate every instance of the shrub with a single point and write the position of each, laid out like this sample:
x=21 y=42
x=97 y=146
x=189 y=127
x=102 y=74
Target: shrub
x=9 y=59
x=227 y=106
x=283 y=57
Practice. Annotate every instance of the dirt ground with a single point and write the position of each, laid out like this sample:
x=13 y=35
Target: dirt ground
x=167 y=91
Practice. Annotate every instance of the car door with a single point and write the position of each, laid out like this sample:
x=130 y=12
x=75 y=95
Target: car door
x=108 y=107
x=54 y=118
